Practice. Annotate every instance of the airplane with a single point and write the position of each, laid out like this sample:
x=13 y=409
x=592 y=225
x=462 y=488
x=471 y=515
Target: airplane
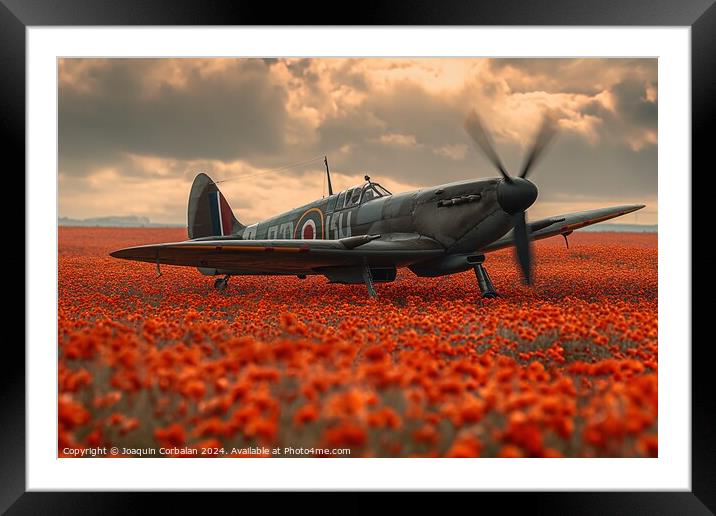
x=364 y=234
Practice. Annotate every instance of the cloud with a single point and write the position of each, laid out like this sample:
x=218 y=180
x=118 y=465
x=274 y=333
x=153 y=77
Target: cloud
x=170 y=108
x=157 y=189
x=153 y=123
x=455 y=152
x=398 y=140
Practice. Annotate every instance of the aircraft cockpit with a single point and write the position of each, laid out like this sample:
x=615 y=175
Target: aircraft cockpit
x=359 y=194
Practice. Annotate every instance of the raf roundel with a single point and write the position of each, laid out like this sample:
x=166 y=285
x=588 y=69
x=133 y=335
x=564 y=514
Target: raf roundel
x=308 y=230
x=310 y=225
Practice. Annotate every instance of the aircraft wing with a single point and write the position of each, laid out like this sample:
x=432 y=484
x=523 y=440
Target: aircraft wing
x=564 y=224
x=287 y=256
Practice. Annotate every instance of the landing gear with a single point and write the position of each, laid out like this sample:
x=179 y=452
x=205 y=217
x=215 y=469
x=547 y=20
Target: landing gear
x=221 y=283
x=368 y=278
x=484 y=281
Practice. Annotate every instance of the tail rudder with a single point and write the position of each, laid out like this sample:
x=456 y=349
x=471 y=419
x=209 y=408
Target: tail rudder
x=209 y=214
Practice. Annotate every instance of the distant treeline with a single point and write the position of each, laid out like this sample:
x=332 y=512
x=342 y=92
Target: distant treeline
x=624 y=228
x=116 y=222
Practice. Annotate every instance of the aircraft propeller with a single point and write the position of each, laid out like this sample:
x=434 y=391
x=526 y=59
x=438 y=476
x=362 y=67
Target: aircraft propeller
x=515 y=194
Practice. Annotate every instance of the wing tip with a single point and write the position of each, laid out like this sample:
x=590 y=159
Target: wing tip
x=119 y=253
x=634 y=207
x=619 y=210
x=130 y=253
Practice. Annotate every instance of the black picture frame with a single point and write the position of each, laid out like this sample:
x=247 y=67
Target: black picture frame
x=17 y=15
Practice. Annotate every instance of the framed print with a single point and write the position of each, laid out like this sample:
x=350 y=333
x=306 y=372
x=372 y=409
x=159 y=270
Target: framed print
x=370 y=257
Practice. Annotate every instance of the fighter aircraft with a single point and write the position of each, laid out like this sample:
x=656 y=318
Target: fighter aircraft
x=365 y=233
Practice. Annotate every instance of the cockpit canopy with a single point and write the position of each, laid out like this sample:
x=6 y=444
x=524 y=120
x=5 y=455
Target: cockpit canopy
x=360 y=194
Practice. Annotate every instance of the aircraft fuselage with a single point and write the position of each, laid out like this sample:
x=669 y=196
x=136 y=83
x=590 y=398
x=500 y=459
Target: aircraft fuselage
x=462 y=216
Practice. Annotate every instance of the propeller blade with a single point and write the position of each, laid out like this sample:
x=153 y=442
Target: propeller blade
x=474 y=127
x=543 y=138
x=523 y=246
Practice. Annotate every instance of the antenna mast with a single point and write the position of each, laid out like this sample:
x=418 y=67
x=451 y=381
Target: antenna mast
x=328 y=175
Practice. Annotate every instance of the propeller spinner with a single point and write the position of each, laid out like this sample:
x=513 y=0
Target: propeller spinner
x=515 y=194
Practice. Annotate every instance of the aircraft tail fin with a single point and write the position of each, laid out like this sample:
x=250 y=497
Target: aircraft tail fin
x=209 y=214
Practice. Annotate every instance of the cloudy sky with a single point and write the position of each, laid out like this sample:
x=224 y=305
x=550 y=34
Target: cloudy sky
x=134 y=132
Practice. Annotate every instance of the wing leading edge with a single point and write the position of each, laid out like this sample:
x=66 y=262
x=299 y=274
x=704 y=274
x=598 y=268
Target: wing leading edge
x=564 y=224
x=286 y=256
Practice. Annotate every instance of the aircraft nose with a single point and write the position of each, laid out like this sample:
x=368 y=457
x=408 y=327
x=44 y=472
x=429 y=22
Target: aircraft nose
x=516 y=196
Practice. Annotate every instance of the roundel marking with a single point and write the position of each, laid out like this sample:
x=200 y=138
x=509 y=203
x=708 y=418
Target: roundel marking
x=309 y=225
x=308 y=230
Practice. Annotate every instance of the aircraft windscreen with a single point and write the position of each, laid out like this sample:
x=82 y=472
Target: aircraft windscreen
x=352 y=196
x=355 y=198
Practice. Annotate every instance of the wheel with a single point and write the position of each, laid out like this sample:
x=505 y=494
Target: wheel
x=220 y=284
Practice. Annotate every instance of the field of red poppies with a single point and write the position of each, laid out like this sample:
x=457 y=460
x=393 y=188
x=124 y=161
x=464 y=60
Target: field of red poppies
x=287 y=367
